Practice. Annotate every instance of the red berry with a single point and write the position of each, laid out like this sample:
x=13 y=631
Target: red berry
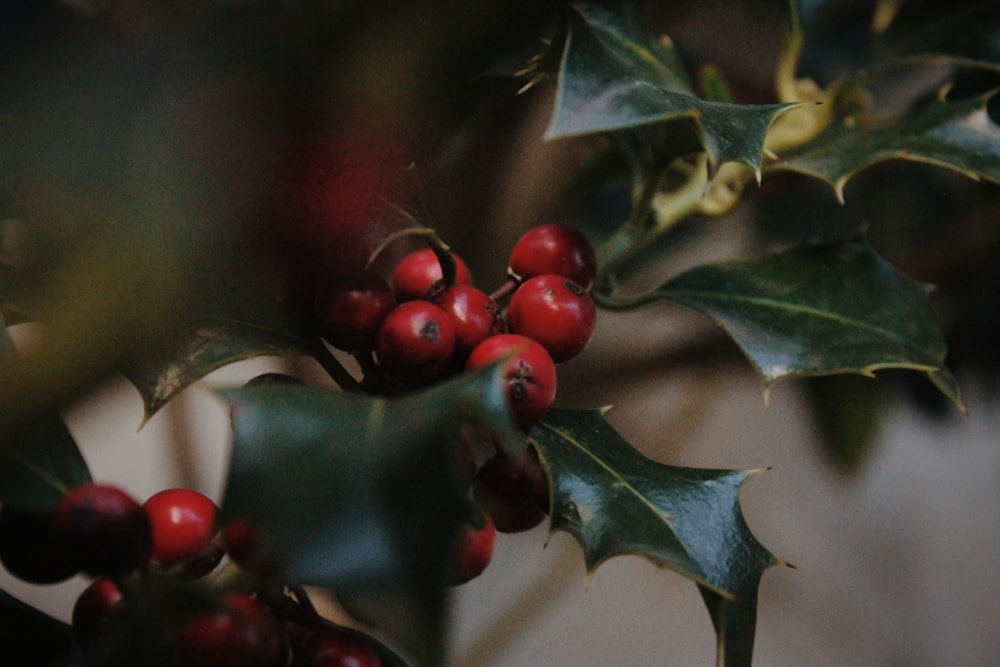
x=556 y=312
x=241 y=540
x=183 y=523
x=348 y=317
x=105 y=530
x=554 y=249
x=473 y=314
x=419 y=273
x=324 y=202
x=241 y=632
x=336 y=647
x=30 y=549
x=529 y=374
x=97 y=616
x=415 y=342
x=475 y=545
x=505 y=491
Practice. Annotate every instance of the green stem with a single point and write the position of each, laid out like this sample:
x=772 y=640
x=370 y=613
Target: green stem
x=668 y=209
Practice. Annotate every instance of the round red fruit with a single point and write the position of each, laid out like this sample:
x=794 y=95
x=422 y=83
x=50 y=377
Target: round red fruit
x=556 y=312
x=184 y=531
x=348 y=317
x=419 y=273
x=104 y=529
x=30 y=549
x=506 y=491
x=529 y=374
x=473 y=314
x=336 y=647
x=241 y=632
x=554 y=249
x=475 y=550
x=415 y=342
x=97 y=616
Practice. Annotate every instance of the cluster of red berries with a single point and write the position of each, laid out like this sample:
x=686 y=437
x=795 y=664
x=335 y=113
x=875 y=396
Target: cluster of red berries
x=419 y=326
x=102 y=531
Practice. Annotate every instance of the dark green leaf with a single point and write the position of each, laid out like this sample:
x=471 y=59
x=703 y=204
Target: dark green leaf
x=955 y=135
x=39 y=461
x=613 y=76
x=29 y=638
x=836 y=308
x=964 y=35
x=614 y=502
x=359 y=494
x=846 y=412
x=220 y=342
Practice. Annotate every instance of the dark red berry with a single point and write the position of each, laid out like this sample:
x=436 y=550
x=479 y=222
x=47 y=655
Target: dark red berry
x=241 y=632
x=98 y=615
x=30 y=549
x=184 y=531
x=419 y=273
x=529 y=374
x=505 y=491
x=349 y=316
x=556 y=312
x=335 y=647
x=415 y=342
x=322 y=207
x=474 y=550
x=554 y=249
x=105 y=530
x=473 y=314
x=241 y=540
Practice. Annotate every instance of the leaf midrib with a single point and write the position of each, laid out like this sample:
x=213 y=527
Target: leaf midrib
x=567 y=437
x=773 y=304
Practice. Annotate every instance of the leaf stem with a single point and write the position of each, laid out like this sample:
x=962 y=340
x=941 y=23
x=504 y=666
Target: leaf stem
x=667 y=208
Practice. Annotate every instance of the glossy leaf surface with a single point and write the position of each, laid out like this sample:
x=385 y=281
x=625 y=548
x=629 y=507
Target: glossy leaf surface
x=613 y=76
x=956 y=135
x=615 y=501
x=360 y=494
x=838 y=308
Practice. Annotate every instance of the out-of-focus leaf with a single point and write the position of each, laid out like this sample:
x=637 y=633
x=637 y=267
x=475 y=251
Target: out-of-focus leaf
x=359 y=494
x=220 y=342
x=613 y=76
x=833 y=308
x=39 y=460
x=615 y=502
x=29 y=638
x=963 y=35
x=956 y=135
x=846 y=413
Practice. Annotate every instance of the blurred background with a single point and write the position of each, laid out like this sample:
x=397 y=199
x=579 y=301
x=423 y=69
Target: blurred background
x=138 y=145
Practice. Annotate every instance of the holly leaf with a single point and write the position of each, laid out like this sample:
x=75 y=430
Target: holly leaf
x=39 y=460
x=614 y=76
x=928 y=31
x=361 y=494
x=31 y=638
x=220 y=342
x=615 y=501
x=820 y=310
x=956 y=135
